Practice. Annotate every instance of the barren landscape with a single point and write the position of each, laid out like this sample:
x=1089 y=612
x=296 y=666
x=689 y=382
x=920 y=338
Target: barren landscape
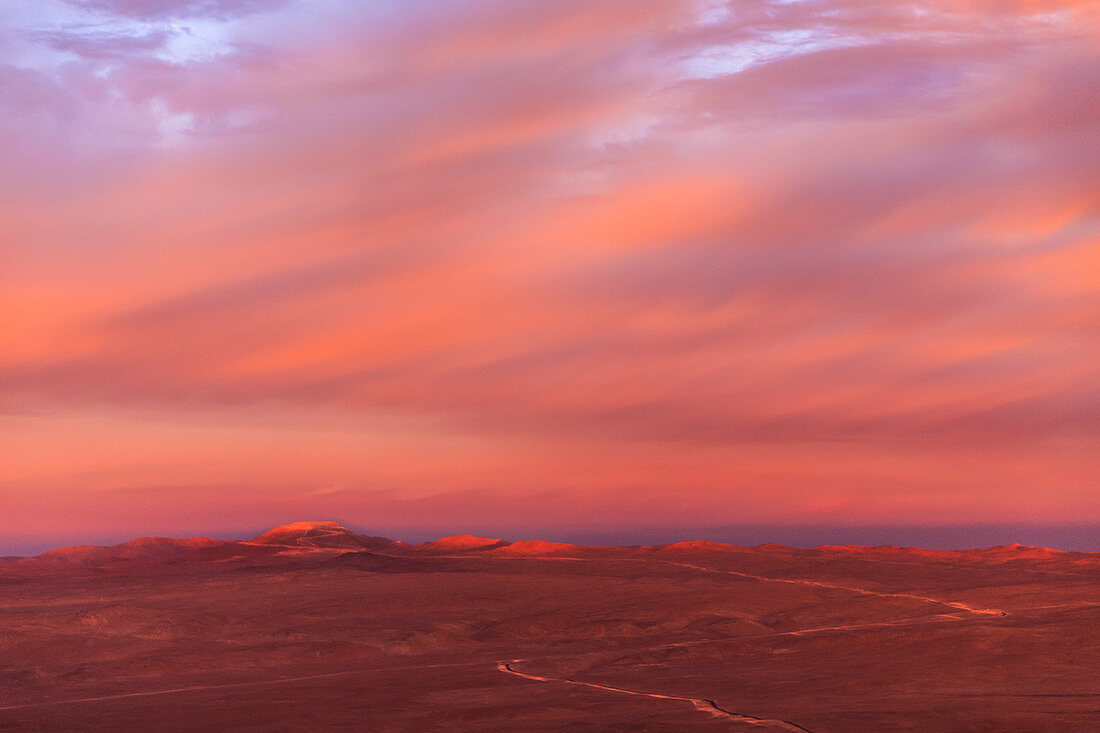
x=612 y=283
x=313 y=626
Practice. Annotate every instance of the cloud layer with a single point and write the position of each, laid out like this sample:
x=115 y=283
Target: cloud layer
x=761 y=261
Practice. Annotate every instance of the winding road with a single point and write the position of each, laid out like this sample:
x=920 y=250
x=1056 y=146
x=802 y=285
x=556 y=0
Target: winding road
x=700 y=703
x=710 y=706
x=860 y=591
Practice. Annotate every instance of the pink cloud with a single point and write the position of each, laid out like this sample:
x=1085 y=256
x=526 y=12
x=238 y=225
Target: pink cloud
x=157 y=9
x=535 y=225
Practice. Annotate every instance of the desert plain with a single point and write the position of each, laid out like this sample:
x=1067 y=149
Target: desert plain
x=315 y=627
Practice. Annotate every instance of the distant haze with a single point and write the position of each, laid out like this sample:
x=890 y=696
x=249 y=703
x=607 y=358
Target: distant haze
x=1076 y=538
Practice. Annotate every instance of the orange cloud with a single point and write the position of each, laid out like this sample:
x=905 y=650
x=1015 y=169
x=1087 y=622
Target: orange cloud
x=796 y=262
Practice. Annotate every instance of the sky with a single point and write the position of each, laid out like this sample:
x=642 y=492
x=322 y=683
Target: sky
x=548 y=268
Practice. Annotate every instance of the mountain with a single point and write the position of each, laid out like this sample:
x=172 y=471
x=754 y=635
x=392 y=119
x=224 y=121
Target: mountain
x=142 y=548
x=320 y=535
x=293 y=542
x=537 y=547
x=461 y=543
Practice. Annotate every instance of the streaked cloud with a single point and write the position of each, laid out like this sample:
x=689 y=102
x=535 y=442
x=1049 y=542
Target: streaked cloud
x=759 y=260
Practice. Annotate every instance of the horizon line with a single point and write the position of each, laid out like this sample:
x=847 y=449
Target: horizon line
x=1078 y=537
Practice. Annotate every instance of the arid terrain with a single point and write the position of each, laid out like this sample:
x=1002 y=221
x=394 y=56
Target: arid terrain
x=314 y=627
